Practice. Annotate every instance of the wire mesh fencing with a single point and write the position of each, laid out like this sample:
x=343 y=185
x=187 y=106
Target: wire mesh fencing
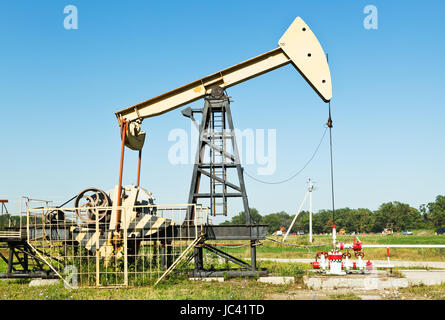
x=114 y=246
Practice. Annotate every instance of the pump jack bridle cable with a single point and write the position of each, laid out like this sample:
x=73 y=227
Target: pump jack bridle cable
x=329 y=124
x=295 y=174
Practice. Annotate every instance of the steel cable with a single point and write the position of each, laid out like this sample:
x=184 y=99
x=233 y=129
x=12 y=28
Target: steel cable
x=295 y=174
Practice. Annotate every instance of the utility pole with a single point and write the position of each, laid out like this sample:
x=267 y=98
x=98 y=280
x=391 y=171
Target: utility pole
x=295 y=218
x=310 y=210
x=309 y=192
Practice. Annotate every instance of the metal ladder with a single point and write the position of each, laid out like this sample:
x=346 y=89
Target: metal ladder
x=218 y=139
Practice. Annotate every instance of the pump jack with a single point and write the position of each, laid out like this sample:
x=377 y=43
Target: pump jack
x=298 y=46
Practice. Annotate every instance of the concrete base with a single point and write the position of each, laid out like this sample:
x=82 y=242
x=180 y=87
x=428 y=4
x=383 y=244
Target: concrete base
x=43 y=282
x=360 y=282
x=277 y=280
x=333 y=273
x=218 y=279
x=426 y=277
x=226 y=273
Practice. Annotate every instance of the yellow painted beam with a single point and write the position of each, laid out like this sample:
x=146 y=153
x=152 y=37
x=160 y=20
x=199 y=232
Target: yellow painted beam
x=298 y=46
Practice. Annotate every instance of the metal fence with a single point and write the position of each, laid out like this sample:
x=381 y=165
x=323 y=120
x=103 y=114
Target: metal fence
x=114 y=246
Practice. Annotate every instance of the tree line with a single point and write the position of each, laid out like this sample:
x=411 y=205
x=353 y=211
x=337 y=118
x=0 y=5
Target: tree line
x=6 y=219
x=395 y=215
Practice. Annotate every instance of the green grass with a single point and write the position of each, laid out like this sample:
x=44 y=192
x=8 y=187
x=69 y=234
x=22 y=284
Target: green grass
x=271 y=249
x=436 y=292
x=346 y=296
x=3 y=267
x=234 y=289
x=276 y=250
x=179 y=287
x=176 y=286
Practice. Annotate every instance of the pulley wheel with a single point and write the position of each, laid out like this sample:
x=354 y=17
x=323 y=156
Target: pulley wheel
x=217 y=92
x=91 y=202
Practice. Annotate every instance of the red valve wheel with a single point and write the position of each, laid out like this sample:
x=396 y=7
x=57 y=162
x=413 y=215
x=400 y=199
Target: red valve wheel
x=320 y=253
x=346 y=254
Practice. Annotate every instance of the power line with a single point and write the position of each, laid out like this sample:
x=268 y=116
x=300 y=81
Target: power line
x=295 y=174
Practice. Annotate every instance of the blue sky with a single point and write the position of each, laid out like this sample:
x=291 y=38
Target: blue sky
x=60 y=89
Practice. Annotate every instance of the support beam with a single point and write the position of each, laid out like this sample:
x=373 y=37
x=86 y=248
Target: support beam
x=298 y=46
x=227 y=256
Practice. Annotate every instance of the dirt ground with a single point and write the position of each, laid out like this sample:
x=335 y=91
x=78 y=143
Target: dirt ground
x=353 y=294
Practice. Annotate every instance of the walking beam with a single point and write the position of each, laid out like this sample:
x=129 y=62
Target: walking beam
x=298 y=46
